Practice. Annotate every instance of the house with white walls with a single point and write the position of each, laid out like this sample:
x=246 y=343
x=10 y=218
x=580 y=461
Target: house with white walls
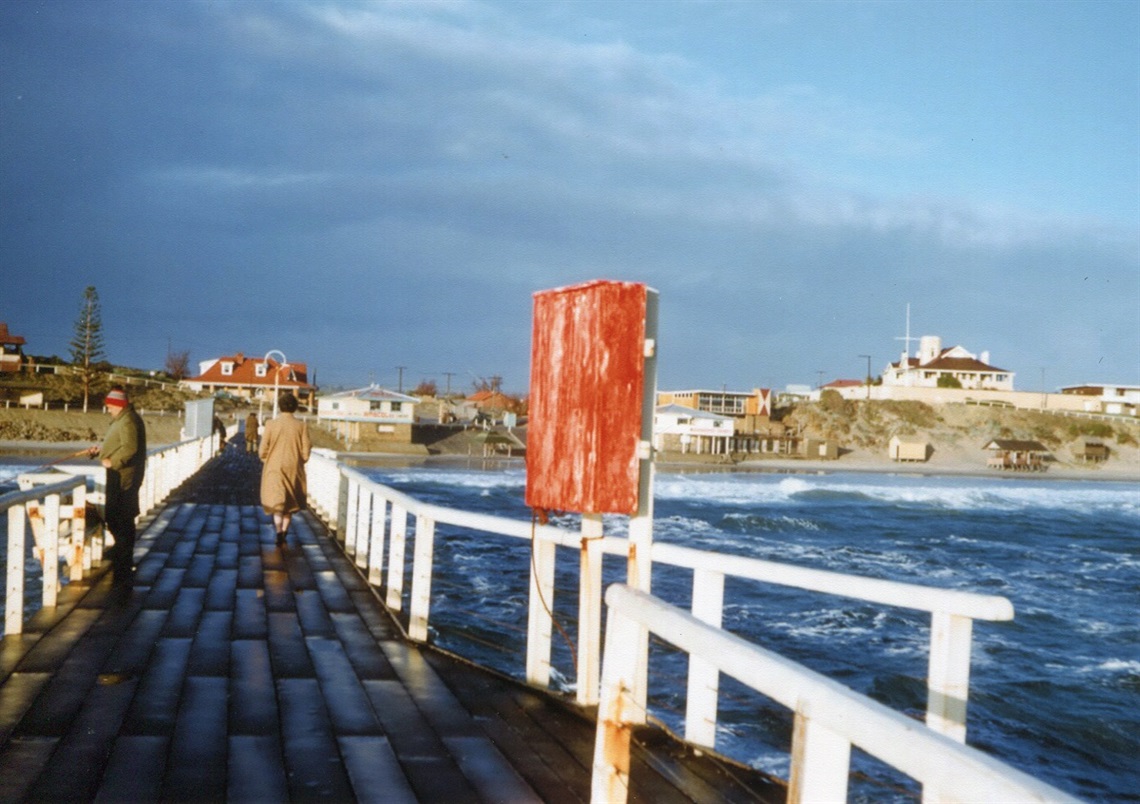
x=677 y=428
x=933 y=363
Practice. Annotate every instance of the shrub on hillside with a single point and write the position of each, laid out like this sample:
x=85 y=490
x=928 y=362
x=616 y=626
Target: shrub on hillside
x=831 y=401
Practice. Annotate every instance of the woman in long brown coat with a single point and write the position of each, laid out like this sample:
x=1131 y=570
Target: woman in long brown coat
x=285 y=447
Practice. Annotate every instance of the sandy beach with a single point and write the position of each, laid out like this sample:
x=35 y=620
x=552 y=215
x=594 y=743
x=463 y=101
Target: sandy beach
x=63 y=434
x=1120 y=468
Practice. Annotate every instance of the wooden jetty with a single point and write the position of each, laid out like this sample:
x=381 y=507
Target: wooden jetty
x=237 y=671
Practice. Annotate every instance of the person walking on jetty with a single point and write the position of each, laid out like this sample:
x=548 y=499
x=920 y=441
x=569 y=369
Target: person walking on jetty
x=251 y=432
x=220 y=431
x=285 y=447
x=123 y=453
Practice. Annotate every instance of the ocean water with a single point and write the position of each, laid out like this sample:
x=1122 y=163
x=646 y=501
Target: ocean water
x=1055 y=692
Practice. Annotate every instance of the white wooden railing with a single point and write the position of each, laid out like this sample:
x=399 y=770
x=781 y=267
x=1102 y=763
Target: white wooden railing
x=54 y=510
x=829 y=717
x=372 y=522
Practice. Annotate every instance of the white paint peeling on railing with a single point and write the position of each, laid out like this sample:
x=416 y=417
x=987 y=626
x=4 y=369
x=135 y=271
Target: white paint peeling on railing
x=55 y=510
x=370 y=517
x=830 y=718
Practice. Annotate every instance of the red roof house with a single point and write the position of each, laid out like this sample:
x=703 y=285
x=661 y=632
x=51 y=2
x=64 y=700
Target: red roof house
x=11 y=350
x=252 y=378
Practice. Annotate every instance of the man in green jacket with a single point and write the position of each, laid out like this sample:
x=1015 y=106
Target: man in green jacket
x=124 y=455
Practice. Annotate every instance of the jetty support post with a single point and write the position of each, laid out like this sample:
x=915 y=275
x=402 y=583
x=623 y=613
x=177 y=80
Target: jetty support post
x=364 y=533
x=17 y=543
x=351 y=518
x=590 y=610
x=395 y=599
x=640 y=567
x=422 y=556
x=704 y=677
x=79 y=559
x=617 y=711
x=376 y=545
x=948 y=680
x=821 y=760
x=540 y=620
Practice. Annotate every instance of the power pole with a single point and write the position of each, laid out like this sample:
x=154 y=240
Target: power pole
x=401 y=385
x=449 y=375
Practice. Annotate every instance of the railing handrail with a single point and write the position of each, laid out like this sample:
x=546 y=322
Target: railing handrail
x=873 y=590
x=371 y=520
x=60 y=531
x=902 y=594
x=36 y=493
x=839 y=716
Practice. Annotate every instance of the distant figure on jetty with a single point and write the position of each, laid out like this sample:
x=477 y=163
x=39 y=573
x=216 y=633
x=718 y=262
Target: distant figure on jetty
x=285 y=447
x=251 y=432
x=124 y=455
x=220 y=429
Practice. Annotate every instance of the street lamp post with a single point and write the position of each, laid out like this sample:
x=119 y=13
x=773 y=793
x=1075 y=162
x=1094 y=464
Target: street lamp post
x=868 y=380
x=276 y=375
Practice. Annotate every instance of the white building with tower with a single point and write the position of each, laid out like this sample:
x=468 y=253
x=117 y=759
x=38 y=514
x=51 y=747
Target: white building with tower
x=932 y=363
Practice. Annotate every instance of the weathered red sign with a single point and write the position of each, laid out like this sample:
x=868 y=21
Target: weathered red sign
x=587 y=377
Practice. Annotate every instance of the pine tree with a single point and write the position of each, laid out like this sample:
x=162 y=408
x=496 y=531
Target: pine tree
x=87 y=345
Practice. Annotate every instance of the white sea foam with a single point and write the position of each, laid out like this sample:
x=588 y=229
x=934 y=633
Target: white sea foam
x=1121 y=666
x=732 y=490
x=468 y=479
x=941 y=492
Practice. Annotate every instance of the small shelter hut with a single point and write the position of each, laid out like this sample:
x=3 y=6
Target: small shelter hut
x=908 y=449
x=1016 y=454
x=1092 y=451
x=820 y=449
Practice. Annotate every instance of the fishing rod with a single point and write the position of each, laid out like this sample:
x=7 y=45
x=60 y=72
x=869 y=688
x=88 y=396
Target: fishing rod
x=48 y=465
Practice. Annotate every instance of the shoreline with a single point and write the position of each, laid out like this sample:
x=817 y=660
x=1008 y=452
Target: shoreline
x=27 y=452
x=1113 y=473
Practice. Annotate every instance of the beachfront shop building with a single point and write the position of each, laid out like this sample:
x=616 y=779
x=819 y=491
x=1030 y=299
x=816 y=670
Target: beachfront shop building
x=685 y=430
x=253 y=379
x=737 y=404
x=751 y=411
x=366 y=415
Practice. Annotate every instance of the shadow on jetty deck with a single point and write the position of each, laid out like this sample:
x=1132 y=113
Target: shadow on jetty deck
x=241 y=672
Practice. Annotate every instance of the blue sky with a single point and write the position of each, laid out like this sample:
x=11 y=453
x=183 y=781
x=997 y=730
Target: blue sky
x=364 y=186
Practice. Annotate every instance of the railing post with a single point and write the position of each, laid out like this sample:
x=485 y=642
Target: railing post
x=50 y=550
x=617 y=710
x=421 y=579
x=540 y=605
x=821 y=761
x=590 y=610
x=79 y=559
x=704 y=677
x=340 y=513
x=17 y=543
x=639 y=570
x=395 y=598
x=351 y=524
x=948 y=678
x=364 y=502
x=376 y=542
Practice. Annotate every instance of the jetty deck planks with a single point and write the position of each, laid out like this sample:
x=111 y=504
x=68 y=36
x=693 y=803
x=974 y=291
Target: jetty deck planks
x=240 y=672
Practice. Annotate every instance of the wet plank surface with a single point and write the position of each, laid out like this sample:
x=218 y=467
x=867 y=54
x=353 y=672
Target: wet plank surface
x=238 y=671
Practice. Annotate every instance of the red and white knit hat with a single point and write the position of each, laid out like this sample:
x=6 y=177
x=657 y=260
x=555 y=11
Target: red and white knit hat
x=116 y=399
